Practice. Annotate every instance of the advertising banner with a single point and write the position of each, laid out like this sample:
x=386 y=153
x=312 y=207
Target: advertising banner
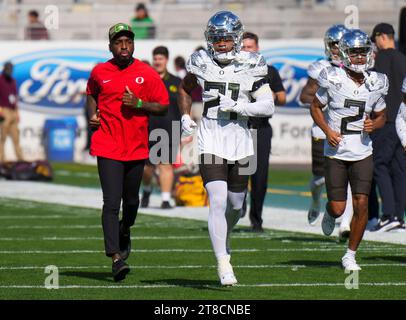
x=52 y=76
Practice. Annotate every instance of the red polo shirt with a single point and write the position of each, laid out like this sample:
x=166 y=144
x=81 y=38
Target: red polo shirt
x=123 y=131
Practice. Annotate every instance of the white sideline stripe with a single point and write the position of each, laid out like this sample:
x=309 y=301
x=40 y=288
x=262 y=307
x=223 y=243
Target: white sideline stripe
x=157 y=267
x=378 y=250
x=37 y=217
x=259 y=285
x=95 y=226
x=274 y=266
x=133 y=238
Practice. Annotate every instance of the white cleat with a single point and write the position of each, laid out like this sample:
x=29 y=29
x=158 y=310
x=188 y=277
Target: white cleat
x=312 y=216
x=328 y=224
x=350 y=264
x=343 y=233
x=225 y=271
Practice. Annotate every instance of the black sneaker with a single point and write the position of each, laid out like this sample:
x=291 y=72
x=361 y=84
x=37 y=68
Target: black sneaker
x=145 y=199
x=120 y=270
x=125 y=242
x=385 y=225
x=257 y=229
x=166 y=205
x=244 y=208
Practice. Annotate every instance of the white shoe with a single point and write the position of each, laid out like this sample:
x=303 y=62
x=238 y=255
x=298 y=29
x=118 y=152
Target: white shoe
x=343 y=233
x=225 y=271
x=349 y=263
x=328 y=224
x=313 y=214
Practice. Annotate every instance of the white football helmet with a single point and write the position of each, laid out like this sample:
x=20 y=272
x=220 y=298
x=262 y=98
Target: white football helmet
x=332 y=37
x=356 y=42
x=224 y=24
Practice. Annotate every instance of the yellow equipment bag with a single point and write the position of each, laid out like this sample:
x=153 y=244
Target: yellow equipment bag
x=190 y=192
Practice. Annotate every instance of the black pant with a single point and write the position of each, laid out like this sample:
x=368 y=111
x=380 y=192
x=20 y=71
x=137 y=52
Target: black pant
x=259 y=180
x=390 y=171
x=119 y=180
x=373 y=204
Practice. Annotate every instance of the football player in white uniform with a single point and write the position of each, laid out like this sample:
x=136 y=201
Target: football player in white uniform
x=350 y=94
x=331 y=39
x=401 y=131
x=231 y=79
x=401 y=118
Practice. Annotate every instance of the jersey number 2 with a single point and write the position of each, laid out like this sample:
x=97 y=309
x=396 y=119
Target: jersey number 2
x=348 y=103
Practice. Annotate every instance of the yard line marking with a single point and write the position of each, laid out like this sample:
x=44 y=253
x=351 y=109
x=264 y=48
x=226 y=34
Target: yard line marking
x=376 y=250
x=44 y=217
x=160 y=286
x=96 y=226
x=156 y=267
x=77 y=174
x=272 y=266
x=133 y=238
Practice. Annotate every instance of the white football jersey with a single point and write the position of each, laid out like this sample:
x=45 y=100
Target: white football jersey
x=347 y=108
x=401 y=119
x=313 y=72
x=220 y=133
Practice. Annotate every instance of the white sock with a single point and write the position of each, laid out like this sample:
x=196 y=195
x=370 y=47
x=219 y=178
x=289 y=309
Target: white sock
x=316 y=188
x=166 y=196
x=217 y=224
x=348 y=212
x=235 y=201
x=350 y=253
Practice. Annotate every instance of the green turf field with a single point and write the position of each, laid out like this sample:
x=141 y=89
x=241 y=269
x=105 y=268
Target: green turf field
x=172 y=259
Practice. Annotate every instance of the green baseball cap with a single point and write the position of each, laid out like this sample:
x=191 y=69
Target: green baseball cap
x=120 y=28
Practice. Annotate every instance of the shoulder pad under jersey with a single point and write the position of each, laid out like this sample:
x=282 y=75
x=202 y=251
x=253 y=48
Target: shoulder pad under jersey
x=251 y=63
x=197 y=63
x=315 y=68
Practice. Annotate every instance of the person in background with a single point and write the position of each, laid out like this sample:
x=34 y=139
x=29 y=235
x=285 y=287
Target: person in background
x=259 y=180
x=388 y=150
x=35 y=30
x=180 y=67
x=142 y=24
x=9 y=116
x=160 y=56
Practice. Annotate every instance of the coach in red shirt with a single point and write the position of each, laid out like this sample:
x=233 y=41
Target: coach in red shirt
x=121 y=93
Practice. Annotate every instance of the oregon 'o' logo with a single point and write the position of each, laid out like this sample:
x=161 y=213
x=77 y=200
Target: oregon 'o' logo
x=139 y=80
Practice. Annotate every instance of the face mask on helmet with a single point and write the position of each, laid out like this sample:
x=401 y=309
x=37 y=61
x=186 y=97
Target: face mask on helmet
x=224 y=26
x=356 y=51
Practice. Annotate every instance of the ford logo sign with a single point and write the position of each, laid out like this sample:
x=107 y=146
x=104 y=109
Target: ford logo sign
x=54 y=81
x=292 y=64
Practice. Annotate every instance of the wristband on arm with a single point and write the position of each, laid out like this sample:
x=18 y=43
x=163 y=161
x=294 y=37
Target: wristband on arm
x=139 y=104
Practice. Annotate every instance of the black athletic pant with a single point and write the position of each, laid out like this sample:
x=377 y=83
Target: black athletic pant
x=259 y=180
x=120 y=180
x=390 y=171
x=373 y=204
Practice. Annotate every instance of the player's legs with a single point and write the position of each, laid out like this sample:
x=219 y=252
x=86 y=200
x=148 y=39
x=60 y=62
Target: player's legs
x=132 y=179
x=4 y=132
x=345 y=225
x=336 y=186
x=318 y=181
x=166 y=177
x=214 y=172
x=237 y=190
x=15 y=136
x=360 y=176
x=259 y=180
x=147 y=184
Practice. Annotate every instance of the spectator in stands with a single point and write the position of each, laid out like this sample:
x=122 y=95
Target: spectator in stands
x=35 y=30
x=180 y=67
x=259 y=180
x=388 y=151
x=160 y=56
x=9 y=116
x=142 y=24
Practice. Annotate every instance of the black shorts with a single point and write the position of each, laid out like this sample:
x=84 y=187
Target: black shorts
x=213 y=168
x=340 y=172
x=318 y=157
